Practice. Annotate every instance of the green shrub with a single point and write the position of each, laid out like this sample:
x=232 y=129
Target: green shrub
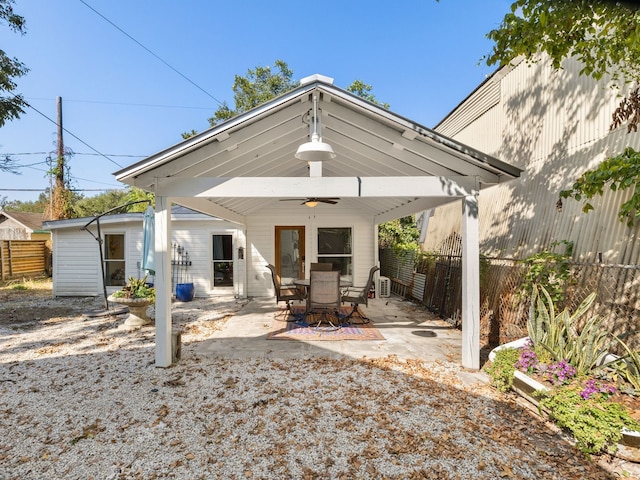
x=584 y=349
x=503 y=367
x=595 y=423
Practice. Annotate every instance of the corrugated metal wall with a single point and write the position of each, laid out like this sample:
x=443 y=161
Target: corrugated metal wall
x=555 y=125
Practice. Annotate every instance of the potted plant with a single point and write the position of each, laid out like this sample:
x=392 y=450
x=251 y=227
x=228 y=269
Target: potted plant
x=137 y=294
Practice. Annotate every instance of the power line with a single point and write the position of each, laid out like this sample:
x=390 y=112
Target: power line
x=74 y=136
x=152 y=53
x=75 y=153
x=151 y=105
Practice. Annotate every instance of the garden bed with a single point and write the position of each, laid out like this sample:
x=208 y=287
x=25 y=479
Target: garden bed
x=628 y=448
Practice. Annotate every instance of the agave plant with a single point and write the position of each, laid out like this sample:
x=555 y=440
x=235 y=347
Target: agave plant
x=558 y=334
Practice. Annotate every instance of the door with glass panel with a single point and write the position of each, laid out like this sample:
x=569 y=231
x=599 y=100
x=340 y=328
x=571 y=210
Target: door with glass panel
x=222 y=263
x=289 y=261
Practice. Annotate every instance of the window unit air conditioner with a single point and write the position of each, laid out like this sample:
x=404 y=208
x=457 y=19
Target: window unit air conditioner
x=385 y=287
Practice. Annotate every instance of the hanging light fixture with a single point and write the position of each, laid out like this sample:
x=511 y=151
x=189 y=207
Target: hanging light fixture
x=311 y=203
x=315 y=150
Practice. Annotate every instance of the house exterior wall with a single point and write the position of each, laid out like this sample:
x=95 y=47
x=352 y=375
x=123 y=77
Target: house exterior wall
x=555 y=125
x=12 y=230
x=76 y=257
x=261 y=243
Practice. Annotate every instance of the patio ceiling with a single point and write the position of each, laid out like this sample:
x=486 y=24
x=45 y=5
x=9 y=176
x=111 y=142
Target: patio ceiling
x=382 y=164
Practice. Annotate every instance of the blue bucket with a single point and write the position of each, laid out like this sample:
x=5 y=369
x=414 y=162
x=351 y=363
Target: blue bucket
x=185 y=291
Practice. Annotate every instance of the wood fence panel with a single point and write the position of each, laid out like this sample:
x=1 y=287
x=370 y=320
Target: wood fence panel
x=23 y=258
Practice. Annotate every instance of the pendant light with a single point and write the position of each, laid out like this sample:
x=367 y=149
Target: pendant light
x=315 y=150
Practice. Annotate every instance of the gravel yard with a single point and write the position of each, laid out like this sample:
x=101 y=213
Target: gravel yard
x=81 y=398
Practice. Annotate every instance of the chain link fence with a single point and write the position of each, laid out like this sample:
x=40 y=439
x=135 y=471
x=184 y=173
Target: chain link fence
x=436 y=283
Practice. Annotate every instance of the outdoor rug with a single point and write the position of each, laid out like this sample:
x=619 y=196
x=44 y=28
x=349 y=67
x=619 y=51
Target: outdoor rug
x=300 y=330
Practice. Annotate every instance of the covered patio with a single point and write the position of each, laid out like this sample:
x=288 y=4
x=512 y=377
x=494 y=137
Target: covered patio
x=245 y=170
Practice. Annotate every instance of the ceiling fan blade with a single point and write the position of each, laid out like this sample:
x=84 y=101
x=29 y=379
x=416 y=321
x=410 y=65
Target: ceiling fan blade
x=331 y=201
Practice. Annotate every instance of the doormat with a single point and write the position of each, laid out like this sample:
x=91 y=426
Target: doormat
x=281 y=330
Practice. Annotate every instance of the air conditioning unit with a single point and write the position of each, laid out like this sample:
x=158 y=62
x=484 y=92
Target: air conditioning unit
x=385 y=287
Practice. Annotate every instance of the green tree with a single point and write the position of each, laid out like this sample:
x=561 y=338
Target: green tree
x=363 y=90
x=605 y=37
x=11 y=104
x=97 y=204
x=136 y=195
x=258 y=86
x=401 y=235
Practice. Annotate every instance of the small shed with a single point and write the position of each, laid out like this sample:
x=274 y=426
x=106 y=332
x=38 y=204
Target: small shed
x=203 y=248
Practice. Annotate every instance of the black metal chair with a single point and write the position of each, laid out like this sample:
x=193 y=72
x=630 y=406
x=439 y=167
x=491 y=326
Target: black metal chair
x=357 y=296
x=286 y=293
x=323 y=299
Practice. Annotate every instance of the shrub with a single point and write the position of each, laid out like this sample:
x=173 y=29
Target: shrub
x=595 y=422
x=502 y=368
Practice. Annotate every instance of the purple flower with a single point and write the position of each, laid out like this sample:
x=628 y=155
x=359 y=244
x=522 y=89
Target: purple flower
x=528 y=361
x=591 y=388
x=560 y=372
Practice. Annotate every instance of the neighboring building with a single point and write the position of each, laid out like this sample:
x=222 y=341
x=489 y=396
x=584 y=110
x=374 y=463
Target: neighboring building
x=22 y=226
x=554 y=125
x=209 y=243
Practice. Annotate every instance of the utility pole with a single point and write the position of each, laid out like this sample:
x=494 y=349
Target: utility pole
x=58 y=195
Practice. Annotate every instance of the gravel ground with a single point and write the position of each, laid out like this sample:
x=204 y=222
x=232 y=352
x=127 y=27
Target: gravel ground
x=82 y=399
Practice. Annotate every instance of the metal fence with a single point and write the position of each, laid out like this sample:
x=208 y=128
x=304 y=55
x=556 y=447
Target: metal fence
x=504 y=304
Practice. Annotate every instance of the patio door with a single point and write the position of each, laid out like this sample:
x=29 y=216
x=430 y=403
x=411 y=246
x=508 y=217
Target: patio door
x=289 y=253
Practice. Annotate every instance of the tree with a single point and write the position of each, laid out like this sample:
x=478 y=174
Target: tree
x=401 y=235
x=92 y=206
x=605 y=37
x=259 y=86
x=12 y=105
x=363 y=90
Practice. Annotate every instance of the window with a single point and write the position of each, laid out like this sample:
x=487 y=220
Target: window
x=114 y=265
x=222 y=261
x=334 y=246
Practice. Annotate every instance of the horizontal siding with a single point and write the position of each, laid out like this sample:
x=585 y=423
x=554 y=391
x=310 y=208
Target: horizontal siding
x=76 y=260
x=261 y=244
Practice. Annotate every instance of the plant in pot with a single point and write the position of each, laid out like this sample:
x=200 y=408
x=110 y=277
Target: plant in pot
x=565 y=368
x=137 y=295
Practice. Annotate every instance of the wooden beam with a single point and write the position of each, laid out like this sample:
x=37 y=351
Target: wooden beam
x=293 y=187
x=470 y=284
x=163 y=281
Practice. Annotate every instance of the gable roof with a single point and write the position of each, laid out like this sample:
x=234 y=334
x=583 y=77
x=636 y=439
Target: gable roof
x=370 y=142
x=30 y=221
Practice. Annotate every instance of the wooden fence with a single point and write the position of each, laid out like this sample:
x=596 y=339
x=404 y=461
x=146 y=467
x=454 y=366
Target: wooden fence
x=24 y=258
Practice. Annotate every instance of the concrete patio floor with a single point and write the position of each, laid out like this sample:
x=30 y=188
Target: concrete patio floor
x=410 y=332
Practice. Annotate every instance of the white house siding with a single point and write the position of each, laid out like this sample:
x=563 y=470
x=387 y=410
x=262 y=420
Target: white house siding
x=76 y=257
x=76 y=265
x=555 y=125
x=261 y=242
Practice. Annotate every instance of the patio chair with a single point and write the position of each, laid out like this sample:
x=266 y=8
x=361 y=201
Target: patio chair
x=285 y=293
x=357 y=296
x=323 y=299
x=321 y=267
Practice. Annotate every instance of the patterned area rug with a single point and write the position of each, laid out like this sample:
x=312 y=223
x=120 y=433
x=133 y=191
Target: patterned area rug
x=301 y=330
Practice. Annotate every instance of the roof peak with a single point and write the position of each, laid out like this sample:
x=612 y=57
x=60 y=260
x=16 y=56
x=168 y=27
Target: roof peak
x=316 y=78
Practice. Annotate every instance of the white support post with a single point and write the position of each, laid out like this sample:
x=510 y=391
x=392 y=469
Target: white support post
x=163 y=281
x=470 y=283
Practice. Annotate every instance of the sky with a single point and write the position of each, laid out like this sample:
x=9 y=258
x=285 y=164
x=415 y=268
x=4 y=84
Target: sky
x=129 y=95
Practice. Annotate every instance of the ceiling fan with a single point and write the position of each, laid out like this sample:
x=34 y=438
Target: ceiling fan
x=312 y=201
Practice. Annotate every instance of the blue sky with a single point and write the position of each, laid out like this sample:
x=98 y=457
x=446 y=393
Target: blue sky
x=421 y=56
